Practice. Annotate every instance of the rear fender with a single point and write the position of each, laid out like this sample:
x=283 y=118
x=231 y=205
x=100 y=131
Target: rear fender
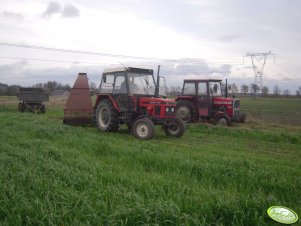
x=101 y=97
x=220 y=113
x=189 y=98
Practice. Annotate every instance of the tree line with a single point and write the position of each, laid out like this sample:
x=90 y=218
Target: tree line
x=12 y=90
x=246 y=90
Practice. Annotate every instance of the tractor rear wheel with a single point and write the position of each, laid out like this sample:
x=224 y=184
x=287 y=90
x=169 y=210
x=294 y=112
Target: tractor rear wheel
x=223 y=120
x=175 y=129
x=143 y=129
x=185 y=111
x=106 y=116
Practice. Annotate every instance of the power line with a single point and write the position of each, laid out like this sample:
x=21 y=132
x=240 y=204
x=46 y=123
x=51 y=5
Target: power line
x=50 y=60
x=189 y=60
x=97 y=63
x=76 y=51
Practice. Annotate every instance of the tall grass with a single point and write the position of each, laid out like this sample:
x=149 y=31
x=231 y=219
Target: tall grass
x=53 y=174
x=61 y=175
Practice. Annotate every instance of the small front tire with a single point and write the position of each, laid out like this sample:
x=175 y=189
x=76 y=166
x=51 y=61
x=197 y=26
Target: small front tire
x=143 y=129
x=176 y=128
x=223 y=121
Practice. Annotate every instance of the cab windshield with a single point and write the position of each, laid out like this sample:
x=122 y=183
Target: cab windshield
x=215 y=89
x=141 y=83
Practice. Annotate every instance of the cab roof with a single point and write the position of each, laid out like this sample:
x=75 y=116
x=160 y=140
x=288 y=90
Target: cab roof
x=202 y=80
x=128 y=69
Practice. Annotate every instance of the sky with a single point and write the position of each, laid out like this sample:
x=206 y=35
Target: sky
x=188 y=38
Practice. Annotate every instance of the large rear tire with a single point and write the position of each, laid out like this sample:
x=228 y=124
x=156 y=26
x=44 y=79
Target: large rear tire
x=176 y=128
x=185 y=111
x=106 y=116
x=143 y=129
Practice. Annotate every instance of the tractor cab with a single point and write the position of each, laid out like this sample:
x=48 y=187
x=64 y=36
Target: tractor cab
x=202 y=99
x=127 y=85
x=131 y=96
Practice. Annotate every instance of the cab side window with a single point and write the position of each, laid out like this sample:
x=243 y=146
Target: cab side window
x=107 y=83
x=189 y=89
x=202 y=89
x=120 y=85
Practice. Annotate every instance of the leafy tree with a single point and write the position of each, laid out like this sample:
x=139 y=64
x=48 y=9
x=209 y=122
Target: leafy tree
x=52 y=85
x=233 y=88
x=3 y=88
x=244 y=89
x=277 y=90
x=254 y=89
x=298 y=92
x=265 y=91
x=12 y=90
x=286 y=93
x=174 y=90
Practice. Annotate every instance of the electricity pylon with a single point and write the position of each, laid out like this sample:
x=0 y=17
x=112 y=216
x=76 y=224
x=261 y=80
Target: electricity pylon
x=258 y=62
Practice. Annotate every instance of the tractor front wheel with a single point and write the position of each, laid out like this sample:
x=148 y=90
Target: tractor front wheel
x=143 y=129
x=223 y=120
x=176 y=128
x=106 y=116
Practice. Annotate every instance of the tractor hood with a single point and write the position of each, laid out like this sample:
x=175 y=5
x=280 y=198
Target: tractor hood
x=153 y=100
x=222 y=101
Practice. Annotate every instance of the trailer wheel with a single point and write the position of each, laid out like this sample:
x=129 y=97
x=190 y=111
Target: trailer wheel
x=223 y=120
x=21 y=107
x=43 y=108
x=143 y=129
x=175 y=129
x=185 y=111
x=106 y=116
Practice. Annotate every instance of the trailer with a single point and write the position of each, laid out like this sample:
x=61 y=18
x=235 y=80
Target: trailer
x=31 y=99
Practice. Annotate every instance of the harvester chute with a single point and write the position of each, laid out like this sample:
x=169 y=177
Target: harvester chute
x=78 y=108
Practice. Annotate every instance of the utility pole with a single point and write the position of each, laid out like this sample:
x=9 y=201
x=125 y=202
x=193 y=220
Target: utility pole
x=258 y=62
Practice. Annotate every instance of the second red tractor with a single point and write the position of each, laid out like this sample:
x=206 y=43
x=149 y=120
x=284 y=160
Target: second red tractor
x=202 y=99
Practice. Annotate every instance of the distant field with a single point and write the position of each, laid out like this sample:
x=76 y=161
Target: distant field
x=53 y=174
x=275 y=110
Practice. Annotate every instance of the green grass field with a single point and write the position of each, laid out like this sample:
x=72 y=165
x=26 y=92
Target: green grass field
x=53 y=174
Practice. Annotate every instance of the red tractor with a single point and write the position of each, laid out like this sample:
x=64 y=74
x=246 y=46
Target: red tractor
x=202 y=99
x=130 y=96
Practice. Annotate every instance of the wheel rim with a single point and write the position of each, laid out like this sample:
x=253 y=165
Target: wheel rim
x=142 y=130
x=184 y=113
x=173 y=128
x=222 y=122
x=104 y=117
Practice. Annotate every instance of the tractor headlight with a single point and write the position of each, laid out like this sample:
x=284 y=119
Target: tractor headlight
x=172 y=109
x=167 y=109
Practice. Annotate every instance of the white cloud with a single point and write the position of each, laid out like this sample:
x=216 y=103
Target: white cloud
x=52 y=8
x=70 y=11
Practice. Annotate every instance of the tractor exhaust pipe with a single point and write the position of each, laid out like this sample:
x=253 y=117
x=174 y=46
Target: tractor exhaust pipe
x=226 y=89
x=158 y=82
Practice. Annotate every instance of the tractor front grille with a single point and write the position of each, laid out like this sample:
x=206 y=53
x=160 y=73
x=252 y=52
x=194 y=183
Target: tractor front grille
x=157 y=110
x=236 y=106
